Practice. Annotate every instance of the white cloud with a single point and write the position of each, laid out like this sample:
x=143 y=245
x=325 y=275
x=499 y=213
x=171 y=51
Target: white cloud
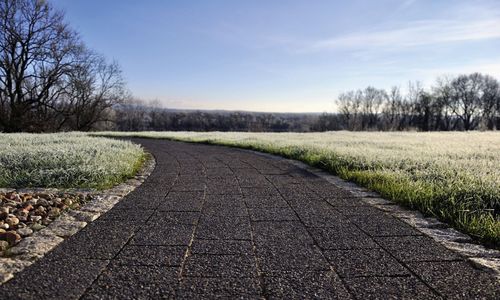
x=415 y=34
x=463 y=22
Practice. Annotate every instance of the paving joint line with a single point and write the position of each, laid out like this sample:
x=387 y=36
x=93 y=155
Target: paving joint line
x=260 y=276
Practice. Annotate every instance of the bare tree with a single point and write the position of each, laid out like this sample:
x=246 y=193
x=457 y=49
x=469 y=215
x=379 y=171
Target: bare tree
x=38 y=50
x=465 y=100
x=490 y=100
x=94 y=87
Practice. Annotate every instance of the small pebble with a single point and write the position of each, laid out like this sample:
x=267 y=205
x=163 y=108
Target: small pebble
x=4 y=245
x=24 y=231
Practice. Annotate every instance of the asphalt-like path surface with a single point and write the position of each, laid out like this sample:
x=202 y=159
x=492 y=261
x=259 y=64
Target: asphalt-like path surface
x=215 y=222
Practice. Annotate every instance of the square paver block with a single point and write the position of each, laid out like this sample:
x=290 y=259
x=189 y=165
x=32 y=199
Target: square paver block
x=270 y=234
x=389 y=288
x=255 y=181
x=60 y=277
x=266 y=191
x=222 y=247
x=219 y=288
x=458 y=279
x=342 y=237
x=99 y=240
x=383 y=225
x=130 y=215
x=167 y=234
x=221 y=172
x=208 y=265
x=273 y=214
x=297 y=284
x=224 y=228
x=305 y=257
x=416 y=248
x=362 y=210
x=134 y=282
x=174 y=217
x=265 y=201
x=167 y=256
x=364 y=262
x=137 y=202
x=319 y=216
x=223 y=188
x=182 y=201
x=345 y=202
x=283 y=180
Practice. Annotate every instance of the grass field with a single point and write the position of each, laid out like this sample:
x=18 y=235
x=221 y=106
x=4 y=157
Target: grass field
x=66 y=160
x=454 y=176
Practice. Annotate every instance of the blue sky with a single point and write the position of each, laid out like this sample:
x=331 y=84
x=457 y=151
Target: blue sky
x=285 y=55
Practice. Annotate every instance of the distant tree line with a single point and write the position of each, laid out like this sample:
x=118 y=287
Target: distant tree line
x=49 y=80
x=138 y=115
x=464 y=102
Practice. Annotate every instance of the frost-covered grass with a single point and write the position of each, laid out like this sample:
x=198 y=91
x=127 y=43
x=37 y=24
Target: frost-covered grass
x=66 y=160
x=454 y=176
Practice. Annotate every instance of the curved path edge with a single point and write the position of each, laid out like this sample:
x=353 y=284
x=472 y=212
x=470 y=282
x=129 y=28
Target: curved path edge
x=34 y=247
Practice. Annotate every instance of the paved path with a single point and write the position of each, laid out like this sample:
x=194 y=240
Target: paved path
x=218 y=222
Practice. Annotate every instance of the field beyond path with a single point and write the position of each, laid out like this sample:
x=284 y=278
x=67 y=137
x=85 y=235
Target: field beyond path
x=214 y=221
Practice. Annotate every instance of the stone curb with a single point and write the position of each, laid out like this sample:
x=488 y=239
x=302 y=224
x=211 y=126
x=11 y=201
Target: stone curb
x=37 y=245
x=480 y=256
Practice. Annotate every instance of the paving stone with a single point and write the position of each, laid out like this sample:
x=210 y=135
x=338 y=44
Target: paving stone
x=383 y=225
x=416 y=248
x=345 y=202
x=253 y=180
x=267 y=191
x=218 y=247
x=216 y=288
x=224 y=228
x=364 y=262
x=209 y=265
x=134 y=282
x=182 y=201
x=265 y=201
x=223 y=188
x=167 y=234
x=135 y=202
x=53 y=277
x=304 y=285
x=128 y=215
x=284 y=257
x=228 y=205
x=272 y=214
x=221 y=172
x=269 y=234
x=167 y=256
x=282 y=180
x=99 y=240
x=324 y=189
x=342 y=237
x=389 y=288
x=361 y=210
x=174 y=217
x=457 y=279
